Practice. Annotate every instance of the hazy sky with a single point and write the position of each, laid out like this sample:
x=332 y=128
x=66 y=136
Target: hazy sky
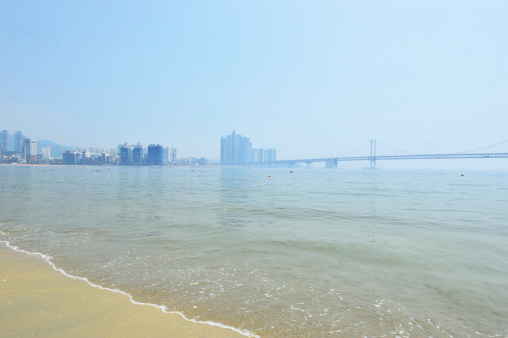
x=309 y=78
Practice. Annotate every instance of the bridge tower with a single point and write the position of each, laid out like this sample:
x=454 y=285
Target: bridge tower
x=372 y=154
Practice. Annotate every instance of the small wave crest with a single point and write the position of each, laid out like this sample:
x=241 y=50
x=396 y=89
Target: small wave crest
x=163 y=308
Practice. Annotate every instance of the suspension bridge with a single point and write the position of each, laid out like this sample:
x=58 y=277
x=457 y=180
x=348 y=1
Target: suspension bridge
x=369 y=152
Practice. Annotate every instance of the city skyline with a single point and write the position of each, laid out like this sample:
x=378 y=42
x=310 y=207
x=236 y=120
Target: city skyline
x=236 y=150
x=25 y=150
x=310 y=79
x=138 y=155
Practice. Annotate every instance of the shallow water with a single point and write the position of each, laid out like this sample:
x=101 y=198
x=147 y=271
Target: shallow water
x=309 y=253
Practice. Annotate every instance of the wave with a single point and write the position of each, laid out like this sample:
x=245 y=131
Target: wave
x=163 y=308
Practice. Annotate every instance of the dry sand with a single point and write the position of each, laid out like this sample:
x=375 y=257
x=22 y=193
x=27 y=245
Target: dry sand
x=36 y=300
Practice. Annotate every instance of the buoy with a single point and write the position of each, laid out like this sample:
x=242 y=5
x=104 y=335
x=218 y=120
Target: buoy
x=291 y=171
x=192 y=170
x=462 y=175
x=269 y=175
x=121 y=172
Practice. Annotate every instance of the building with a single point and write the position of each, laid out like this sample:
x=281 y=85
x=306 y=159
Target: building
x=18 y=142
x=4 y=140
x=271 y=155
x=131 y=155
x=172 y=155
x=155 y=154
x=137 y=154
x=30 y=150
x=124 y=150
x=264 y=155
x=235 y=150
x=45 y=153
x=165 y=155
x=69 y=158
x=258 y=155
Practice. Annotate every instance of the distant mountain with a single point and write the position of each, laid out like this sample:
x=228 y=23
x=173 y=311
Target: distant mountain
x=56 y=149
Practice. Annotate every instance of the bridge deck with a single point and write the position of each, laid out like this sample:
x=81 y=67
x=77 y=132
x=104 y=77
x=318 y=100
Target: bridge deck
x=388 y=157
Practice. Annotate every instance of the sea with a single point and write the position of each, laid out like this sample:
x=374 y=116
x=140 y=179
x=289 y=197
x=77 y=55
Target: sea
x=277 y=252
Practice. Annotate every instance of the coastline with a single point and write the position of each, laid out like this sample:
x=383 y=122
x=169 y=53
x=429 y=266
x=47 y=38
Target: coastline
x=37 y=299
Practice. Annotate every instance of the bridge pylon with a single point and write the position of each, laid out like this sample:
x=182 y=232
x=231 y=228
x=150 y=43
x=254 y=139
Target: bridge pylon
x=372 y=154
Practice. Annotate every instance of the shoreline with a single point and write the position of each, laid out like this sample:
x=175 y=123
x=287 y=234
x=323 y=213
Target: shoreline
x=37 y=298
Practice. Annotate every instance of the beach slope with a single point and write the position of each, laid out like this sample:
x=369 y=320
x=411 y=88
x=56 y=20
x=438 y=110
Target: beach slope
x=36 y=300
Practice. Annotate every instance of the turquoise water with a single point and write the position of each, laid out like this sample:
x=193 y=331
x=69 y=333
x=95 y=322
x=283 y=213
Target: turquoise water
x=309 y=253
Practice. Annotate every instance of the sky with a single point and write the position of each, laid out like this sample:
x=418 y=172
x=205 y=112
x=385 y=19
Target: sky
x=308 y=78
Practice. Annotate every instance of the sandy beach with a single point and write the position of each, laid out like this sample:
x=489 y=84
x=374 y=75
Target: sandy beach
x=36 y=300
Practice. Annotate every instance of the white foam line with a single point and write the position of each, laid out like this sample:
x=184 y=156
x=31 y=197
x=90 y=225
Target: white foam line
x=163 y=308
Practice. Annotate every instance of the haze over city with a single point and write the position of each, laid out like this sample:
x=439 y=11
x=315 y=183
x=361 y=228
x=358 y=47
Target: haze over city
x=311 y=79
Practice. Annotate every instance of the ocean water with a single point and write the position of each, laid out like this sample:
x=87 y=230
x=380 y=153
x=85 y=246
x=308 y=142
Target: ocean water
x=321 y=253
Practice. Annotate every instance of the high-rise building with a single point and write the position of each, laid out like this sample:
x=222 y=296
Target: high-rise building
x=235 y=150
x=4 y=140
x=155 y=154
x=264 y=155
x=137 y=154
x=30 y=150
x=271 y=155
x=69 y=158
x=124 y=150
x=172 y=155
x=18 y=142
x=45 y=153
x=258 y=155
x=165 y=155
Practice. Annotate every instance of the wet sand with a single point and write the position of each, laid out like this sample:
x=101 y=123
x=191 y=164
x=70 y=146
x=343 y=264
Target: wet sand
x=36 y=300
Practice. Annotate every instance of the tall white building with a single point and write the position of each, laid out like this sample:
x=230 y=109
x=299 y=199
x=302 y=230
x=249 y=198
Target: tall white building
x=271 y=155
x=264 y=155
x=235 y=149
x=30 y=150
x=172 y=155
x=45 y=153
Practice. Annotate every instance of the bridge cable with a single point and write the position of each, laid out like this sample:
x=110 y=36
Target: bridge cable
x=399 y=150
x=483 y=148
x=356 y=150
